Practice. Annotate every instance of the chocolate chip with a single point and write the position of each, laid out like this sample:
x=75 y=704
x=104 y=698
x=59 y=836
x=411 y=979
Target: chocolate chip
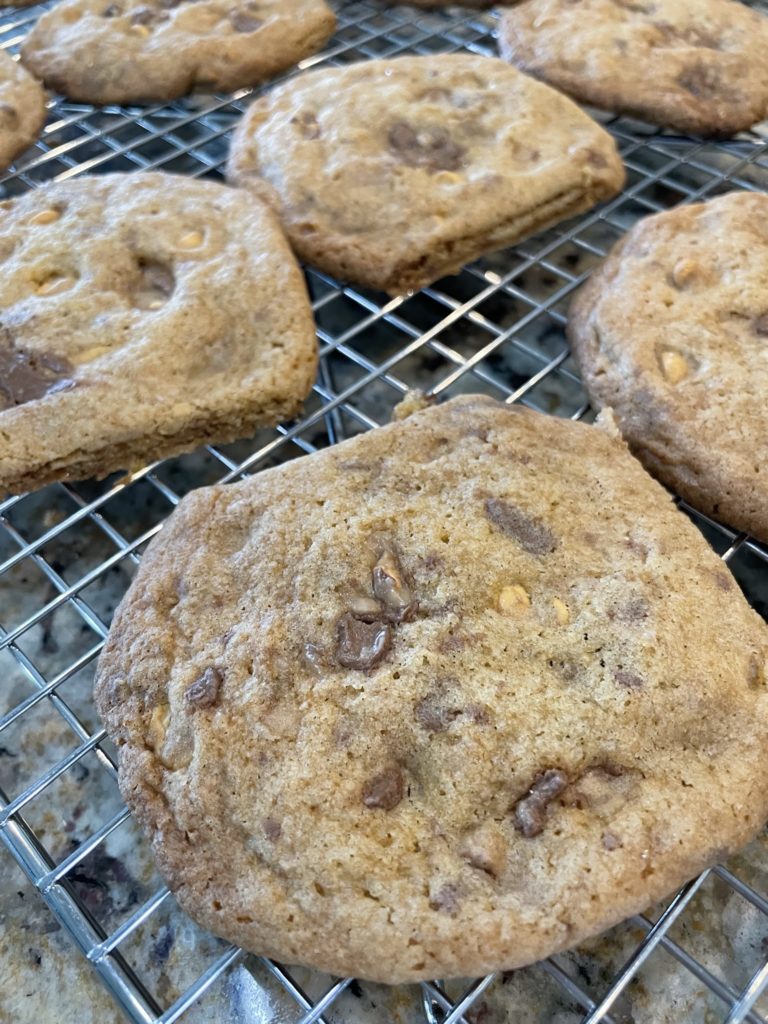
x=9 y=116
x=391 y=588
x=760 y=326
x=431 y=148
x=704 y=82
x=433 y=714
x=630 y=680
x=143 y=16
x=530 y=811
x=565 y=668
x=111 y=12
x=26 y=376
x=310 y=129
x=204 y=692
x=633 y=611
x=244 y=21
x=531 y=534
x=272 y=829
x=361 y=645
x=723 y=581
x=446 y=899
x=386 y=790
x=611 y=842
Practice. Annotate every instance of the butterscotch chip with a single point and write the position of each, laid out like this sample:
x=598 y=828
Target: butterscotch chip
x=392 y=173
x=693 y=65
x=685 y=369
x=22 y=109
x=457 y=791
x=118 y=346
x=145 y=50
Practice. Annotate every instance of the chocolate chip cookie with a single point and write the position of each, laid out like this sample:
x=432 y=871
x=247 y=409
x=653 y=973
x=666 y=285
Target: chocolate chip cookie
x=672 y=333
x=140 y=315
x=696 y=66
x=121 y=51
x=392 y=173
x=22 y=109
x=442 y=699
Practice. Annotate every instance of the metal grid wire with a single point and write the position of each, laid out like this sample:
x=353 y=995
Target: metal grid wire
x=68 y=552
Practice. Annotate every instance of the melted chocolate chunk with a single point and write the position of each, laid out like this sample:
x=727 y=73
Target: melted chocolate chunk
x=111 y=12
x=630 y=680
x=760 y=326
x=530 y=812
x=361 y=645
x=390 y=588
x=431 y=148
x=704 y=82
x=204 y=692
x=272 y=829
x=611 y=842
x=446 y=899
x=245 y=21
x=633 y=611
x=433 y=714
x=310 y=129
x=531 y=534
x=143 y=16
x=27 y=376
x=384 y=791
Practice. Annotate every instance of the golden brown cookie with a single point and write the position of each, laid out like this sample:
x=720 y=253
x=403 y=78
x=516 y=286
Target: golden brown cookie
x=22 y=109
x=672 y=333
x=693 y=65
x=392 y=173
x=120 y=51
x=444 y=698
x=140 y=315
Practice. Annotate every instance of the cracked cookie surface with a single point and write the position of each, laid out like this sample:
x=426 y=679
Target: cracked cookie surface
x=672 y=333
x=22 y=109
x=352 y=747
x=121 y=51
x=140 y=315
x=393 y=173
x=697 y=66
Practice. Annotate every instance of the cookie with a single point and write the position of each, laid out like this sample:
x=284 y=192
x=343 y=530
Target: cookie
x=121 y=51
x=140 y=315
x=442 y=699
x=392 y=173
x=697 y=66
x=672 y=333
x=22 y=109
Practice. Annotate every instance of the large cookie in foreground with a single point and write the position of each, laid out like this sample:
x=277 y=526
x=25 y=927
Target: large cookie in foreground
x=141 y=315
x=694 y=65
x=672 y=333
x=22 y=109
x=392 y=173
x=442 y=699
x=122 y=51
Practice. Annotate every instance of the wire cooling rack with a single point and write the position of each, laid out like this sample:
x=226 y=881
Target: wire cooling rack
x=67 y=554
